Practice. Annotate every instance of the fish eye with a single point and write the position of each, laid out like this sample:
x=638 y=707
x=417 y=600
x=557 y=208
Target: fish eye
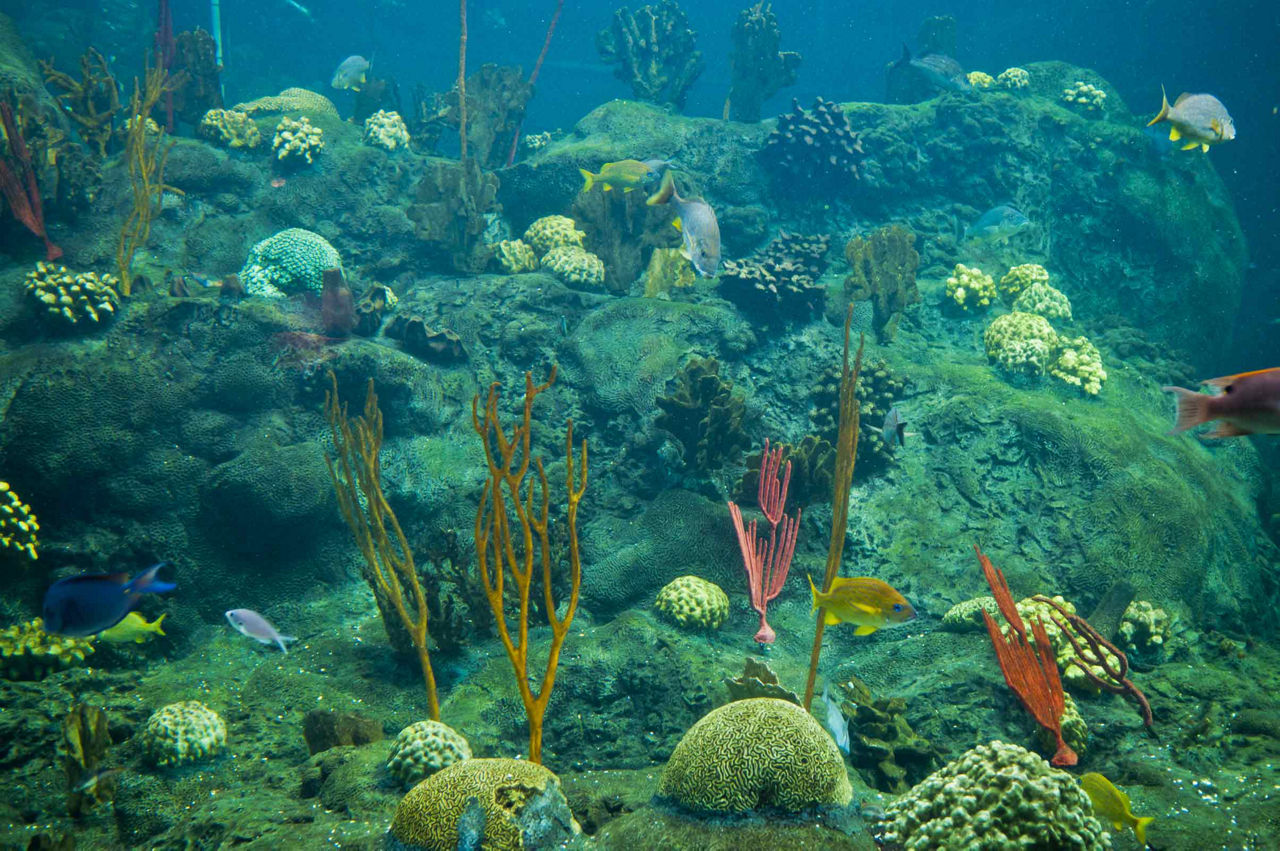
x=897 y=607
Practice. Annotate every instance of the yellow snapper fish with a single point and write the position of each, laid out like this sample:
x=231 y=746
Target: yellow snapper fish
x=134 y=628
x=624 y=174
x=1112 y=805
x=862 y=600
x=1197 y=120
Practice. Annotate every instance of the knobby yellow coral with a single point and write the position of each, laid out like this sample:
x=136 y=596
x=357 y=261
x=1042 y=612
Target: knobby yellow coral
x=970 y=287
x=18 y=524
x=73 y=296
x=230 y=128
x=27 y=652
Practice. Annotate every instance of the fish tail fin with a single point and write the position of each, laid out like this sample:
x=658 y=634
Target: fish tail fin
x=1140 y=828
x=155 y=625
x=283 y=641
x=146 y=582
x=665 y=192
x=813 y=589
x=1193 y=408
x=588 y=179
x=1164 y=108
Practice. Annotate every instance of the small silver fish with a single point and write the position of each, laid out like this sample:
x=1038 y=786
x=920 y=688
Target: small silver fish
x=89 y=783
x=250 y=623
x=997 y=225
x=696 y=221
x=895 y=427
x=836 y=721
x=938 y=70
x=351 y=74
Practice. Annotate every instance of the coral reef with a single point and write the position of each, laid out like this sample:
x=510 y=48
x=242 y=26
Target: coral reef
x=980 y=79
x=970 y=288
x=1020 y=343
x=297 y=140
x=182 y=732
x=653 y=48
x=1014 y=79
x=1084 y=96
x=704 y=415
x=515 y=256
x=291 y=261
x=290 y=100
x=692 y=602
x=1144 y=634
x=758 y=68
x=418 y=338
x=575 y=266
x=1018 y=278
x=90 y=102
x=890 y=755
x=1078 y=362
x=72 y=297
x=229 y=128
x=995 y=795
x=506 y=803
x=813 y=468
x=749 y=754
x=882 y=269
x=966 y=616
x=1043 y=300
x=27 y=652
x=779 y=283
x=422 y=749
x=386 y=130
x=452 y=207
x=18 y=524
x=813 y=152
x=551 y=232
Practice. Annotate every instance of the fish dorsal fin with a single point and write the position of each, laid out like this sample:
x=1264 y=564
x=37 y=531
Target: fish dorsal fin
x=1181 y=98
x=118 y=578
x=864 y=630
x=1227 y=380
x=1174 y=135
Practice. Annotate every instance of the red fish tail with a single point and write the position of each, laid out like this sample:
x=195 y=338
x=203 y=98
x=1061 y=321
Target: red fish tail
x=1193 y=408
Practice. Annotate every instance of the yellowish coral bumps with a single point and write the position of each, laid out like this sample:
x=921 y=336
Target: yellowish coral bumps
x=551 y=232
x=980 y=79
x=72 y=296
x=183 y=732
x=27 y=652
x=970 y=287
x=693 y=603
x=386 y=130
x=1084 y=96
x=1014 y=79
x=297 y=140
x=424 y=748
x=18 y=524
x=515 y=256
x=230 y=128
x=1019 y=277
x=557 y=240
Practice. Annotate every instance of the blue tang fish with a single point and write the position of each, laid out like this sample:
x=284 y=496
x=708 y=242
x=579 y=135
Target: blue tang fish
x=92 y=602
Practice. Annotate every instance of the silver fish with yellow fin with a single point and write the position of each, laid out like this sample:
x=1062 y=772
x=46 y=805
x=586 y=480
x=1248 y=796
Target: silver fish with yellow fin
x=1197 y=121
x=696 y=221
x=1112 y=805
x=864 y=601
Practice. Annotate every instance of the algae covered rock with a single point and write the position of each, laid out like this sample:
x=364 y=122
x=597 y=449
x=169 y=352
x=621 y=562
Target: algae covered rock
x=995 y=796
x=182 y=732
x=292 y=261
x=498 y=804
x=753 y=754
x=424 y=748
x=692 y=602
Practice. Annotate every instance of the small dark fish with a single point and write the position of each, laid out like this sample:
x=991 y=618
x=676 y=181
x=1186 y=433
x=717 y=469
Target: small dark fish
x=351 y=74
x=250 y=623
x=697 y=222
x=895 y=427
x=1249 y=404
x=89 y=784
x=90 y=603
x=997 y=224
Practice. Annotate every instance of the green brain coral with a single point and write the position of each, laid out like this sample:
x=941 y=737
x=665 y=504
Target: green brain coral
x=183 y=732
x=750 y=754
x=995 y=796
x=970 y=288
x=429 y=815
x=693 y=602
x=424 y=748
x=292 y=261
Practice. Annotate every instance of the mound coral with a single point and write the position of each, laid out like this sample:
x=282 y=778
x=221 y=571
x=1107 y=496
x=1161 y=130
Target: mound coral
x=693 y=603
x=182 y=732
x=72 y=297
x=422 y=749
x=980 y=79
x=230 y=128
x=1020 y=343
x=297 y=140
x=551 y=232
x=575 y=265
x=1078 y=361
x=291 y=261
x=27 y=652
x=756 y=753
x=653 y=48
x=507 y=804
x=1063 y=652
x=995 y=796
x=1018 y=278
x=966 y=616
x=515 y=256
x=290 y=100
x=1044 y=300
x=386 y=130
x=970 y=287
x=813 y=151
x=1084 y=96
x=1014 y=79
x=18 y=524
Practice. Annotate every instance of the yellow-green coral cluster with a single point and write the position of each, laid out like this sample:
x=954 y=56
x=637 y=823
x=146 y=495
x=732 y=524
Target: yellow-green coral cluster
x=428 y=816
x=18 y=524
x=1063 y=651
x=551 y=232
x=1085 y=96
x=1044 y=300
x=970 y=288
x=515 y=256
x=755 y=753
x=1078 y=361
x=424 y=748
x=385 y=129
x=995 y=796
x=27 y=652
x=297 y=140
x=74 y=296
x=574 y=265
x=1019 y=277
x=230 y=128
x=966 y=616
x=980 y=79
x=182 y=732
x=693 y=603
x=1026 y=343
x=1145 y=628
x=1014 y=78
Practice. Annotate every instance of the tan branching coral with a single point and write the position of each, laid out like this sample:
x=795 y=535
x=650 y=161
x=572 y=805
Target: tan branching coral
x=71 y=296
x=297 y=140
x=229 y=128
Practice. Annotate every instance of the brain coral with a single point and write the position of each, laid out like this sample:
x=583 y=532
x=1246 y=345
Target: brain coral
x=551 y=232
x=749 y=754
x=515 y=256
x=575 y=265
x=292 y=261
x=995 y=796
x=424 y=748
x=290 y=100
x=183 y=732
x=521 y=804
x=693 y=602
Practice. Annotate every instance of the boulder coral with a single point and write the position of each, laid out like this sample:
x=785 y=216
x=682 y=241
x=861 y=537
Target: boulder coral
x=423 y=748
x=292 y=261
x=297 y=140
x=970 y=288
x=182 y=732
x=575 y=266
x=230 y=128
x=692 y=602
x=27 y=652
x=386 y=130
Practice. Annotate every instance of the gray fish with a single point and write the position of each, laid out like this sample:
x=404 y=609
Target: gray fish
x=938 y=70
x=836 y=721
x=250 y=623
x=697 y=223
x=89 y=784
x=1197 y=121
x=351 y=74
x=895 y=427
x=997 y=225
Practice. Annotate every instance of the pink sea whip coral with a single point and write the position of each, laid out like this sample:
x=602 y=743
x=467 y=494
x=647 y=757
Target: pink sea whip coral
x=767 y=562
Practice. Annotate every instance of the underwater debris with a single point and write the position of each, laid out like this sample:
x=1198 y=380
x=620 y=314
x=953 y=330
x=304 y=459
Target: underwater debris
x=691 y=602
x=758 y=69
x=654 y=51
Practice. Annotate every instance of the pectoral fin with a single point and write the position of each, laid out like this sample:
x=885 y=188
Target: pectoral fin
x=1190 y=146
x=831 y=619
x=871 y=610
x=1205 y=147
x=677 y=224
x=865 y=630
x=628 y=189
x=1174 y=135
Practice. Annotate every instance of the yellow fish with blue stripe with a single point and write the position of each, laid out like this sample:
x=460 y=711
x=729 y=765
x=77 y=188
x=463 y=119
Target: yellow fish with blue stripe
x=133 y=628
x=1112 y=805
x=864 y=601
x=624 y=174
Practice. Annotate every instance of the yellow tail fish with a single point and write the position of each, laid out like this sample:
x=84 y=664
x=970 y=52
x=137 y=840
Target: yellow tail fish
x=867 y=602
x=134 y=628
x=1112 y=805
